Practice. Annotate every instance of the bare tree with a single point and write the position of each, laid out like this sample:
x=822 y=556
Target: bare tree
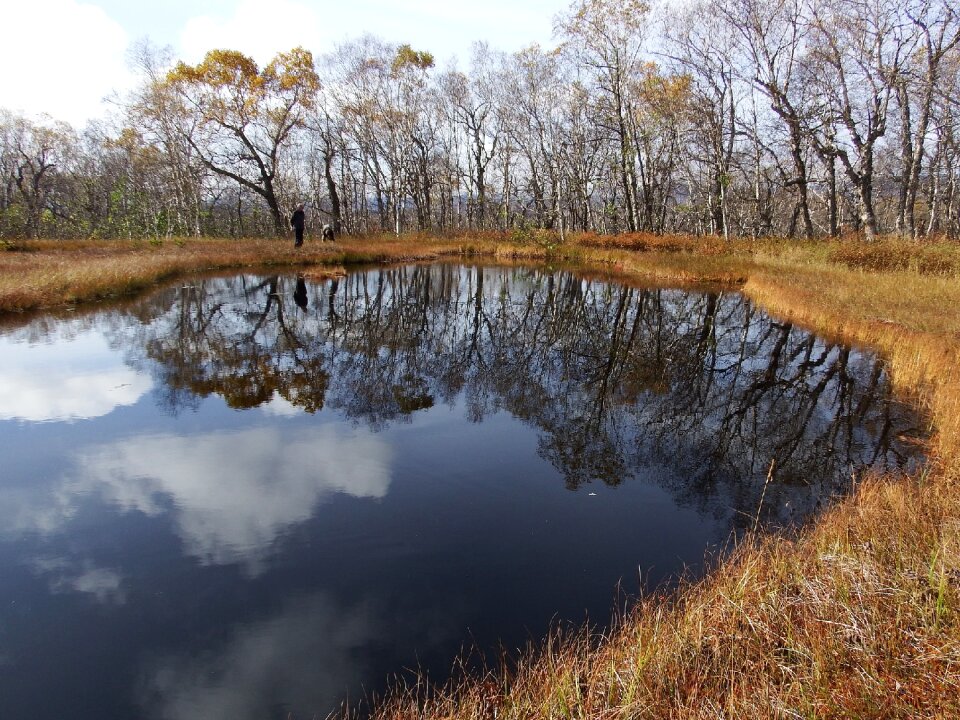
x=606 y=37
x=937 y=24
x=700 y=49
x=34 y=156
x=856 y=60
x=772 y=38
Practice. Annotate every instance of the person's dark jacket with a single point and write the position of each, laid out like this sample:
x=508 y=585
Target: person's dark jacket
x=298 y=220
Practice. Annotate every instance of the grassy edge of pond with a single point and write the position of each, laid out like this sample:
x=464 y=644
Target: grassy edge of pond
x=857 y=616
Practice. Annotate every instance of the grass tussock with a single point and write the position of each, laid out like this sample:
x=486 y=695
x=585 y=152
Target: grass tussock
x=857 y=616
x=648 y=242
x=925 y=258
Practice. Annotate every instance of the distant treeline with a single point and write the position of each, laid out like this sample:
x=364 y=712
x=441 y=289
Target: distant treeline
x=799 y=118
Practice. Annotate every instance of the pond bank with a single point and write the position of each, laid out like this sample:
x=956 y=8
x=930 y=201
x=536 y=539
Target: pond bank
x=855 y=617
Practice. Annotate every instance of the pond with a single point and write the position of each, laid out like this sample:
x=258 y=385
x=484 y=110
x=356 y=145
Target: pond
x=259 y=495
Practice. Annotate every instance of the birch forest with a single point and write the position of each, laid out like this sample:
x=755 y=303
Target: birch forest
x=735 y=118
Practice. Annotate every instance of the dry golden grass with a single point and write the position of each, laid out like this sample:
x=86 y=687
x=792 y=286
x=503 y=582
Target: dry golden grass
x=858 y=616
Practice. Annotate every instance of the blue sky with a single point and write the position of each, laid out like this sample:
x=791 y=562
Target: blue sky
x=62 y=57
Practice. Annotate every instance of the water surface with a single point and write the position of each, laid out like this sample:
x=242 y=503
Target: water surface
x=258 y=495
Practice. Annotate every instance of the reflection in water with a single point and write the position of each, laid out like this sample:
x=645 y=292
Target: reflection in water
x=300 y=294
x=619 y=381
x=63 y=576
x=331 y=482
x=82 y=379
x=231 y=495
x=234 y=494
x=311 y=651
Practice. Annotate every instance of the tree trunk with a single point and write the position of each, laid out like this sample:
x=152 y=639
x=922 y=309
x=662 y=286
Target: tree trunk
x=832 y=196
x=332 y=191
x=868 y=216
x=800 y=166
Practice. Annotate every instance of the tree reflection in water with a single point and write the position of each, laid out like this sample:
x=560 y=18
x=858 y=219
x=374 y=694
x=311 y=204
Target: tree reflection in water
x=696 y=391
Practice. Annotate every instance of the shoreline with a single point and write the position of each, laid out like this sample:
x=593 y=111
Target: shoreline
x=858 y=614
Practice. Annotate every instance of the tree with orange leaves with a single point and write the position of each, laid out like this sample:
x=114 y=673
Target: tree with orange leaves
x=248 y=115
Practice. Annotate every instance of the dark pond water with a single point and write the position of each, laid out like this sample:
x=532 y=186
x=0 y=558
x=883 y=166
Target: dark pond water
x=254 y=496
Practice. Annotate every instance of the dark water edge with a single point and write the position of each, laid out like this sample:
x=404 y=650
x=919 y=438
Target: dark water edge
x=258 y=494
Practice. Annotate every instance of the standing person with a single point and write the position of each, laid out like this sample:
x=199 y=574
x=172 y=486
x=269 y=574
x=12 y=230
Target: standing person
x=298 y=221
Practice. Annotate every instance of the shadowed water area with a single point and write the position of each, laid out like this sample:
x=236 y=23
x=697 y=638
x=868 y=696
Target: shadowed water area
x=251 y=496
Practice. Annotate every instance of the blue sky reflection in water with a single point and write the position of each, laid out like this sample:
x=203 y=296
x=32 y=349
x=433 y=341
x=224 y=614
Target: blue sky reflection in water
x=255 y=495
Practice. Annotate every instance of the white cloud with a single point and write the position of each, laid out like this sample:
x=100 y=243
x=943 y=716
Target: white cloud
x=450 y=28
x=261 y=28
x=102 y=583
x=60 y=57
x=232 y=494
x=306 y=657
x=83 y=378
x=258 y=28
x=311 y=655
x=278 y=406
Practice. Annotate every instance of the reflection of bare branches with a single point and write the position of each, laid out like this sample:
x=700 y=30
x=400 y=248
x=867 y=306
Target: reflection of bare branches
x=244 y=350
x=619 y=381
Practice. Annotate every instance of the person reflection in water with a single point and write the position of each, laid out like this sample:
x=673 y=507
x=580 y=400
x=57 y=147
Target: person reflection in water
x=298 y=221
x=300 y=293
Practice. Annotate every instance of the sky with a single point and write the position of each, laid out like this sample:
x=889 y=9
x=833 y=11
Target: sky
x=63 y=57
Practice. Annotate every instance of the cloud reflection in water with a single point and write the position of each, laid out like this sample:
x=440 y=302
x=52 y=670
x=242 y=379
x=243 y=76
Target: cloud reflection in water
x=84 y=379
x=104 y=584
x=232 y=494
x=303 y=661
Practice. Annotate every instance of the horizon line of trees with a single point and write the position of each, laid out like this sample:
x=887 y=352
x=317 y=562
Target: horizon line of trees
x=738 y=118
